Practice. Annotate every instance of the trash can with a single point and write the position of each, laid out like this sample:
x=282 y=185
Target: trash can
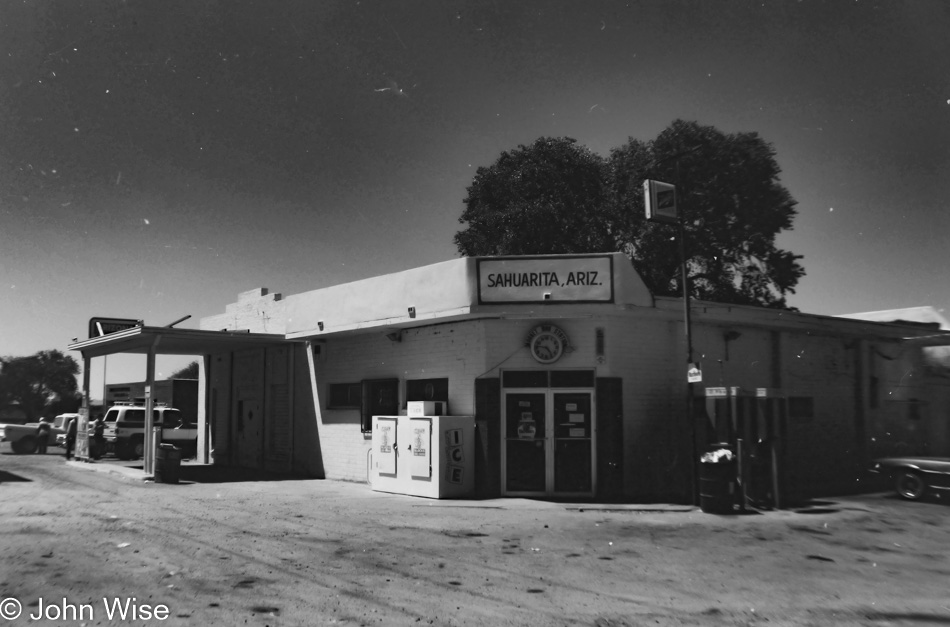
x=717 y=475
x=167 y=464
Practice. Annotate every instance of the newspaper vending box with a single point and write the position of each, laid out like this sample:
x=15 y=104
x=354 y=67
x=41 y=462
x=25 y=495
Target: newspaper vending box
x=431 y=456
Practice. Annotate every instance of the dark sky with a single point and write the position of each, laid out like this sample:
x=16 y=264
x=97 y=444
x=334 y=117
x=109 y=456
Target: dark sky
x=157 y=158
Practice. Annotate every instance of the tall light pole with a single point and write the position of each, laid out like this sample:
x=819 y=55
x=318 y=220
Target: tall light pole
x=661 y=206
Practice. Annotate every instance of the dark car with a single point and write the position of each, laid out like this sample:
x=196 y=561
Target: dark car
x=914 y=476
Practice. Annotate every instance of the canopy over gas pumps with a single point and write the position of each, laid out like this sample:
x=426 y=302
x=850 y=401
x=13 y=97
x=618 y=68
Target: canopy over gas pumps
x=167 y=340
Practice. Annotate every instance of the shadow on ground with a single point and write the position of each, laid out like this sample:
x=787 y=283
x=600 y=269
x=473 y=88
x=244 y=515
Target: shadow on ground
x=9 y=477
x=189 y=473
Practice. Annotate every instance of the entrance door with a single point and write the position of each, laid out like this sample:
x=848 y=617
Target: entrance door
x=548 y=448
x=526 y=443
x=572 y=443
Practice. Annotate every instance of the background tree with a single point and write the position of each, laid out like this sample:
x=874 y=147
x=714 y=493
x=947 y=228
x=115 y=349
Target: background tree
x=540 y=199
x=188 y=372
x=557 y=197
x=41 y=383
x=733 y=204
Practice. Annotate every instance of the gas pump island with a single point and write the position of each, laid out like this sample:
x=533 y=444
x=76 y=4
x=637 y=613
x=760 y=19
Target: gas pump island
x=422 y=454
x=751 y=425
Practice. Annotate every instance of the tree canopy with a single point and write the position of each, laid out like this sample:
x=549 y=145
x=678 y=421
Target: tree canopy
x=188 y=372
x=540 y=199
x=558 y=197
x=41 y=383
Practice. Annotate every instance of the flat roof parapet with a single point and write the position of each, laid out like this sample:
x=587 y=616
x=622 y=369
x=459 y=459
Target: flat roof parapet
x=260 y=293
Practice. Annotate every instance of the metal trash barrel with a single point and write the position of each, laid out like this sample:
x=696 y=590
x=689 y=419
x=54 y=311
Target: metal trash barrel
x=716 y=487
x=167 y=464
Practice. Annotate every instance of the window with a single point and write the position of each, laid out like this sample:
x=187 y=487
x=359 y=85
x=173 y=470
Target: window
x=524 y=378
x=572 y=378
x=801 y=407
x=169 y=418
x=427 y=390
x=547 y=378
x=134 y=415
x=344 y=396
x=380 y=397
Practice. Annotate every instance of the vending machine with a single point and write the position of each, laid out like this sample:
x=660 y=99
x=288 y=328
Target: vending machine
x=431 y=456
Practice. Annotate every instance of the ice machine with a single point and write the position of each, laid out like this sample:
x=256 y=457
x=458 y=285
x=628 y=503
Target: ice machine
x=431 y=456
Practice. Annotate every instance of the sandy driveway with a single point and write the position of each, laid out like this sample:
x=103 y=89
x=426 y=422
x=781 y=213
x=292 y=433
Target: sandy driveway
x=302 y=552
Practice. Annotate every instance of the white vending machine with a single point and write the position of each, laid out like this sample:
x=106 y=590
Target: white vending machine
x=431 y=456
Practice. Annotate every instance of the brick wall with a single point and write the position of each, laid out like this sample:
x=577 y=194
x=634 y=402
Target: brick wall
x=645 y=348
x=452 y=350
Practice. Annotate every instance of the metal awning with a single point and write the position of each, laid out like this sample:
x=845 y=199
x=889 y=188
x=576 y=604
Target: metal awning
x=939 y=339
x=172 y=341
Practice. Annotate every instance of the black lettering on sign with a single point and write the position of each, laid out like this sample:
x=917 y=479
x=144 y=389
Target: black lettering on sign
x=583 y=278
x=453 y=474
x=525 y=279
x=453 y=437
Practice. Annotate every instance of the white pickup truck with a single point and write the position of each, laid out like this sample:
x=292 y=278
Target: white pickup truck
x=129 y=421
x=22 y=438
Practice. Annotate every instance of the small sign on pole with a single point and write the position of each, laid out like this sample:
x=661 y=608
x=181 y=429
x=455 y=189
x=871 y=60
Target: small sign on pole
x=694 y=373
x=659 y=199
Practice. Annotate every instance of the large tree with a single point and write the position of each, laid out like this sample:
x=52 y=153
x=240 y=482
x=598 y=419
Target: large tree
x=558 y=197
x=540 y=199
x=40 y=383
x=733 y=204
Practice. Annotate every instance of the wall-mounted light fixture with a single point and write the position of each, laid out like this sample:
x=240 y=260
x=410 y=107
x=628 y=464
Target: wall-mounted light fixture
x=319 y=354
x=412 y=312
x=320 y=325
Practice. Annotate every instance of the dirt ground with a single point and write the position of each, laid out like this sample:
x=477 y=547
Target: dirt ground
x=219 y=550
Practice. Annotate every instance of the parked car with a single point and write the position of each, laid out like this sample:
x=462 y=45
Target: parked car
x=129 y=429
x=912 y=477
x=22 y=438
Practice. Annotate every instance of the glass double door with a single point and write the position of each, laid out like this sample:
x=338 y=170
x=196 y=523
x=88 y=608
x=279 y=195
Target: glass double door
x=548 y=443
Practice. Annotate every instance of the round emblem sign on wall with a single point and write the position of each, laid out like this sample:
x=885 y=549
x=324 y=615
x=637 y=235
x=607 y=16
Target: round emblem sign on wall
x=547 y=343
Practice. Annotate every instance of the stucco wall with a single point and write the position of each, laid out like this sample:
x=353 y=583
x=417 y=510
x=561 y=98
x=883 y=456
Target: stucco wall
x=822 y=450
x=257 y=311
x=430 y=290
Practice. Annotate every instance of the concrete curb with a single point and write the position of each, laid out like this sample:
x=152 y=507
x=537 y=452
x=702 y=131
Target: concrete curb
x=653 y=508
x=135 y=474
x=363 y=491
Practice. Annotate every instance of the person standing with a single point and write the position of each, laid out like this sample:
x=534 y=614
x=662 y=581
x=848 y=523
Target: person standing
x=42 y=436
x=98 y=448
x=71 y=428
